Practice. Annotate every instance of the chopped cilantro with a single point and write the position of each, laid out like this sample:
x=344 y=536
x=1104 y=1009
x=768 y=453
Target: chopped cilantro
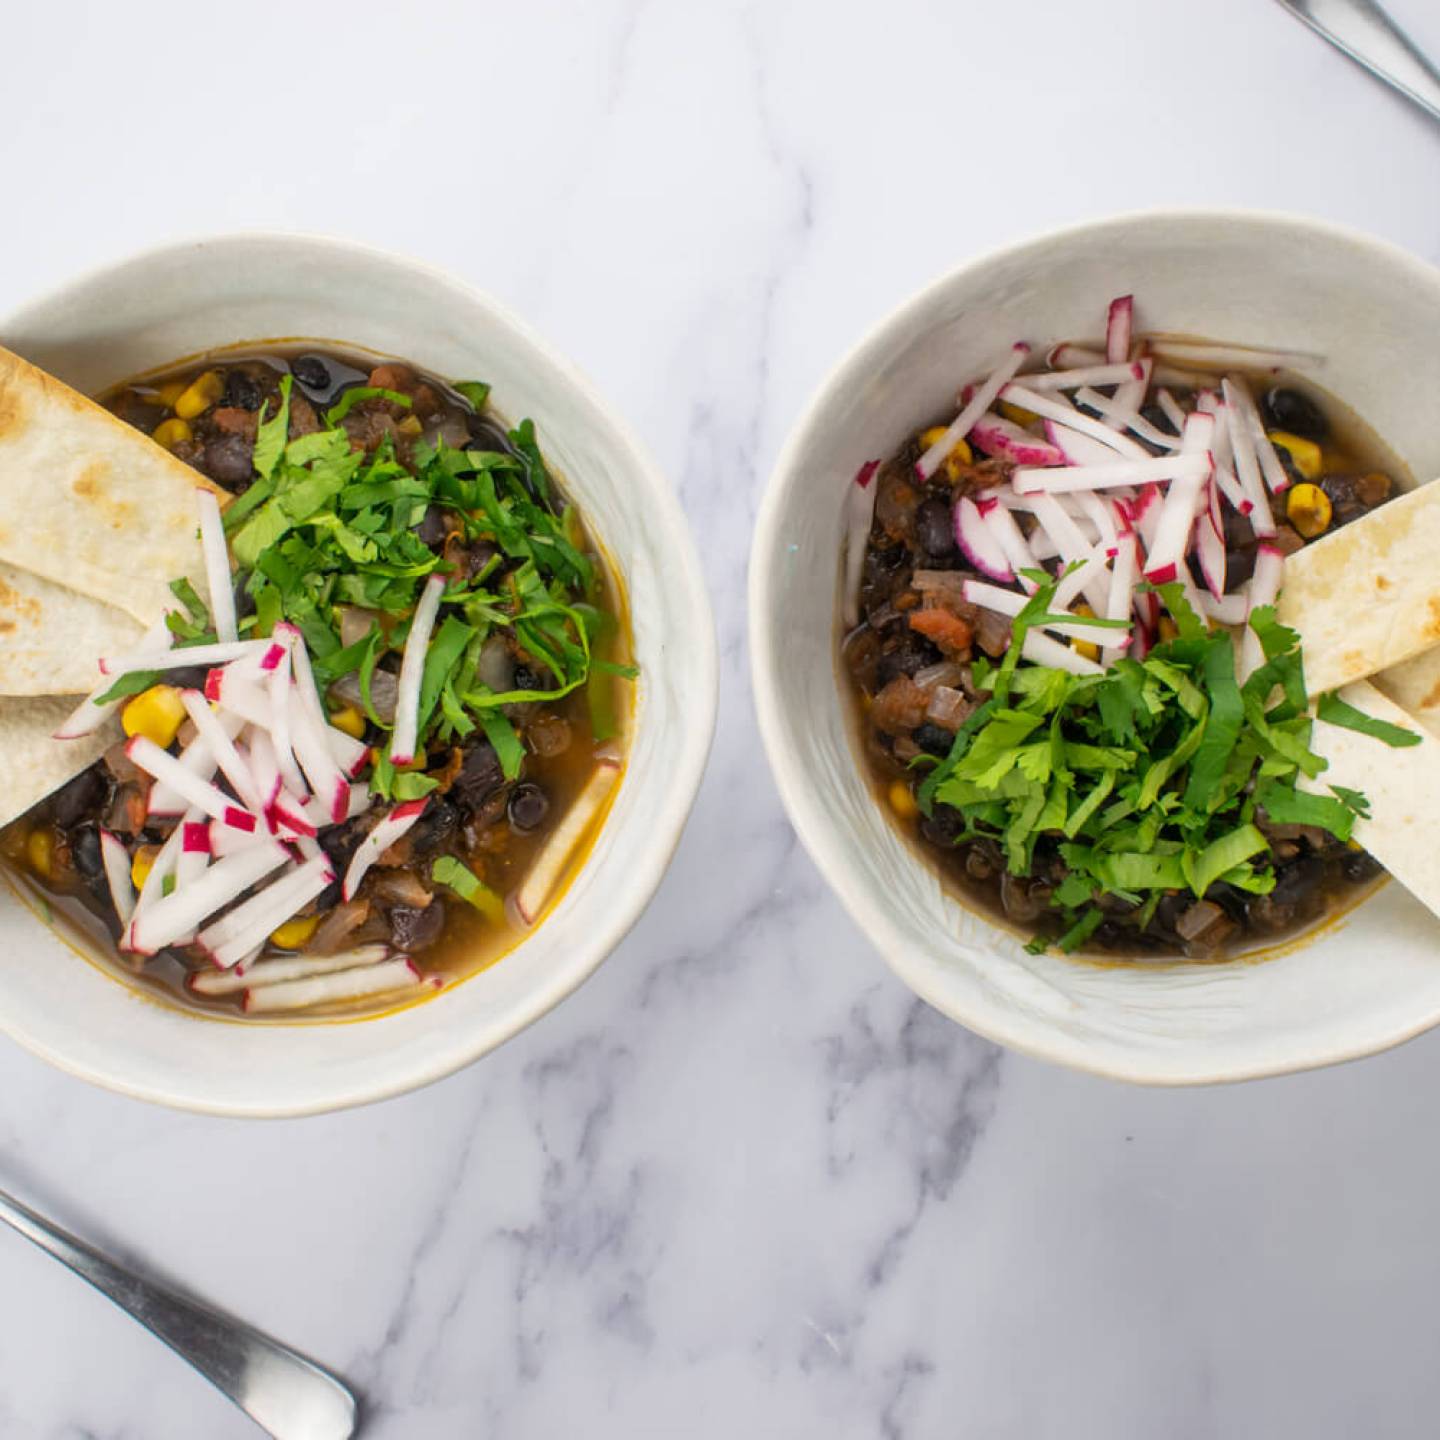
x=1335 y=711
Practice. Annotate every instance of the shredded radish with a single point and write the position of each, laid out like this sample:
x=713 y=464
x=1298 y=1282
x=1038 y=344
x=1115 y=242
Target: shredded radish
x=1042 y=650
x=1011 y=602
x=312 y=747
x=217 y=565
x=176 y=914
x=1049 y=409
x=1264 y=588
x=281 y=735
x=163 y=766
x=92 y=712
x=1229 y=609
x=1074 y=549
x=116 y=863
x=218 y=654
x=1078 y=449
x=1202 y=354
x=980 y=544
x=199 y=759
x=1171 y=406
x=379 y=840
x=859 y=517
x=1013 y=544
x=1130 y=419
x=1177 y=515
x=270 y=972
x=398 y=974
x=978 y=404
x=1247 y=464
x=1099 y=514
x=209 y=729
x=1106 y=374
x=1119 y=324
x=1071 y=478
x=1122 y=593
x=412 y=669
x=1005 y=440
x=1276 y=476
x=240 y=930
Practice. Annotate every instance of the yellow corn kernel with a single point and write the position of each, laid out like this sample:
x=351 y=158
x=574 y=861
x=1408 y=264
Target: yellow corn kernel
x=1168 y=628
x=170 y=433
x=1088 y=648
x=40 y=851
x=1305 y=453
x=143 y=864
x=294 y=933
x=1308 y=509
x=960 y=455
x=350 y=720
x=410 y=427
x=156 y=713
x=902 y=802
x=1017 y=413
x=201 y=393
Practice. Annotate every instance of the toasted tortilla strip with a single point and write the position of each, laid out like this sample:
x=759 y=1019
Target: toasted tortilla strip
x=32 y=763
x=51 y=638
x=1415 y=687
x=87 y=501
x=1401 y=784
x=1367 y=596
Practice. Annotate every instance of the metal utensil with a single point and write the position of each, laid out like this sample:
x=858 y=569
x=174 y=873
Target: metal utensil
x=281 y=1391
x=1371 y=38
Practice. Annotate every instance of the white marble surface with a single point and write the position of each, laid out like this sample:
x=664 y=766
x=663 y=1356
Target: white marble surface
x=742 y=1184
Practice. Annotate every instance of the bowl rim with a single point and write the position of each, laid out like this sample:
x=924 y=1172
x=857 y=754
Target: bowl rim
x=614 y=920
x=825 y=844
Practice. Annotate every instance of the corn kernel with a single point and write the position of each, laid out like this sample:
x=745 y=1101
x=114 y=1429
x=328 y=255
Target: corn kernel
x=40 y=851
x=960 y=454
x=1017 y=413
x=409 y=427
x=156 y=713
x=350 y=720
x=143 y=864
x=1088 y=648
x=294 y=933
x=1168 y=628
x=200 y=395
x=902 y=802
x=170 y=433
x=1305 y=453
x=1308 y=509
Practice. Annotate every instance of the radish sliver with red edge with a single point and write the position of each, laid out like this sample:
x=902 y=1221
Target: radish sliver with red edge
x=1247 y=463
x=179 y=912
x=1013 y=544
x=978 y=542
x=217 y=654
x=281 y=700
x=1119 y=326
x=162 y=765
x=378 y=841
x=312 y=747
x=412 y=670
x=400 y=973
x=1049 y=409
x=219 y=580
x=960 y=428
x=240 y=930
x=1177 y=514
x=91 y=713
x=297 y=967
x=1004 y=440
x=116 y=863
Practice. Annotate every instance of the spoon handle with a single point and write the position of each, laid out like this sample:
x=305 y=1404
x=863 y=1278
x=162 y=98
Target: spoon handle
x=281 y=1391
x=1363 y=30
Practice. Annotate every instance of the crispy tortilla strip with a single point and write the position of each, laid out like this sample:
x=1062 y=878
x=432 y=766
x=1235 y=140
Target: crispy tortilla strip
x=1415 y=687
x=1367 y=596
x=1401 y=784
x=32 y=764
x=88 y=502
x=50 y=637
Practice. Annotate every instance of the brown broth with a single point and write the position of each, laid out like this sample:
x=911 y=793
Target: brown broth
x=502 y=855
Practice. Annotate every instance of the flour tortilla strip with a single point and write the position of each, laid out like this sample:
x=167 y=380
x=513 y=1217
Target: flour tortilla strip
x=87 y=501
x=1415 y=687
x=1367 y=596
x=1401 y=784
x=51 y=638
x=32 y=764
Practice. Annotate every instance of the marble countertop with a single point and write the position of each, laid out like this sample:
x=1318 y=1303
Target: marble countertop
x=742 y=1184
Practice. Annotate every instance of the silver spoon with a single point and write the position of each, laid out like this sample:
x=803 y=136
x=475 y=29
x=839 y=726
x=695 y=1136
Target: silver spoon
x=1371 y=38
x=281 y=1391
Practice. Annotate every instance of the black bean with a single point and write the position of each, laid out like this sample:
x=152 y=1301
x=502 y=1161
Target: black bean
x=529 y=679
x=85 y=851
x=479 y=778
x=1360 y=865
x=311 y=372
x=934 y=528
x=1287 y=409
x=1158 y=418
x=79 y=798
x=528 y=807
x=413 y=929
x=229 y=460
x=439 y=822
x=242 y=391
x=904 y=654
x=941 y=827
x=933 y=739
x=431 y=529
x=187 y=677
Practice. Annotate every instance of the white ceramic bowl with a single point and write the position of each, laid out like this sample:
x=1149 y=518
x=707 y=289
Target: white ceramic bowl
x=170 y=303
x=1367 y=981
